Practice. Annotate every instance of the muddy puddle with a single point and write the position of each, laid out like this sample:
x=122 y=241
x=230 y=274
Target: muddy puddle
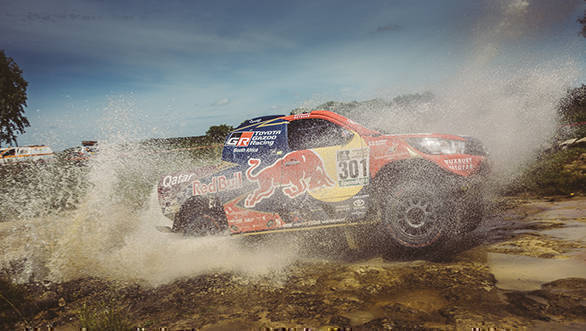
x=525 y=273
x=553 y=248
x=525 y=268
x=572 y=230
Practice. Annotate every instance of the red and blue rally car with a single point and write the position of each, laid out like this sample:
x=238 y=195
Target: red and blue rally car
x=320 y=169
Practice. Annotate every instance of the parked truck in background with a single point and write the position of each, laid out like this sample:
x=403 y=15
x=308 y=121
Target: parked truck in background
x=11 y=155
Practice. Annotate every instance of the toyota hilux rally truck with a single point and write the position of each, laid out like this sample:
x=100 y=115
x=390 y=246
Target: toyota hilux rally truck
x=321 y=170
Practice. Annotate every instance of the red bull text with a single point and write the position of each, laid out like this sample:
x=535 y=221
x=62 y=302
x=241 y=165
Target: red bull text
x=218 y=184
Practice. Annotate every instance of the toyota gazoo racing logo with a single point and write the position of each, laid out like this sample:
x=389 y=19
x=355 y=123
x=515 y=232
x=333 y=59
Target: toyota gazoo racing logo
x=240 y=139
x=296 y=173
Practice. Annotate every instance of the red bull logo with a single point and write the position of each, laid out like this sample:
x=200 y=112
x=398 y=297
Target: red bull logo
x=296 y=173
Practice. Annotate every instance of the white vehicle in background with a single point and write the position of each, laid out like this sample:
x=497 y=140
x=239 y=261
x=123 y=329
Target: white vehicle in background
x=9 y=155
x=83 y=153
x=89 y=147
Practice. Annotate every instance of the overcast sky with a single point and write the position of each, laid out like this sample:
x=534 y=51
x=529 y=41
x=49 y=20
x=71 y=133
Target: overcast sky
x=173 y=68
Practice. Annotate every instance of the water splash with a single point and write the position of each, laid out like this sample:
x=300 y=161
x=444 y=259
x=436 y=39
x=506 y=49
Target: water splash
x=67 y=222
x=112 y=232
x=513 y=114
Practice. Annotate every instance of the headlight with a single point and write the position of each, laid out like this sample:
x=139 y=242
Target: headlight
x=438 y=145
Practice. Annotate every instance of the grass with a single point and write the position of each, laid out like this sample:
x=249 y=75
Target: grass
x=559 y=173
x=106 y=315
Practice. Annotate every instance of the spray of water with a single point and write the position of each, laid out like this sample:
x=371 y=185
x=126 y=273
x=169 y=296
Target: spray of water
x=112 y=232
x=513 y=114
x=509 y=102
x=100 y=220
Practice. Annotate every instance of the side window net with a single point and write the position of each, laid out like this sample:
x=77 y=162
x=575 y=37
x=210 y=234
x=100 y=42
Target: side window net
x=315 y=133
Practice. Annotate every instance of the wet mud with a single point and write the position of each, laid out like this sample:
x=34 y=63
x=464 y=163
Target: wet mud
x=522 y=268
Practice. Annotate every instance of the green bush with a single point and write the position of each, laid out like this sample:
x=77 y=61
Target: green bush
x=561 y=172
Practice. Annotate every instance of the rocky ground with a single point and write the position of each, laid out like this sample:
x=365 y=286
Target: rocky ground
x=523 y=268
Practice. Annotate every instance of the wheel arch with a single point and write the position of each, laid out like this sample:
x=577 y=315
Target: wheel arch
x=397 y=171
x=199 y=205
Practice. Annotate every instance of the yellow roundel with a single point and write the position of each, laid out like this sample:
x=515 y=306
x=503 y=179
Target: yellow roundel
x=344 y=188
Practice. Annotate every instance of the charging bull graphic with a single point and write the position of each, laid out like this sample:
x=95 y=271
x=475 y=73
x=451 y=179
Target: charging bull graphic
x=297 y=172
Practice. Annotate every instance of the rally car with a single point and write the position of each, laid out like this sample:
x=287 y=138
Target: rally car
x=321 y=170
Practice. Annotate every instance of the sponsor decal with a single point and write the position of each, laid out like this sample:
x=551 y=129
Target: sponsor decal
x=303 y=115
x=314 y=222
x=296 y=173
x=352 y=167
x=265 y=138
x=273 y=133
x=240 y=139
x=246 y=150
x=343 y=209
x=218 y=184
x=253 y=138
x=358 y=203
x=244 y=138
x=460 y=164
x=169 y=181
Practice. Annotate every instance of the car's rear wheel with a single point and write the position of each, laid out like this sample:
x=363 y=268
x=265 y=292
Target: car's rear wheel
x=413 y=214
x=196 y=217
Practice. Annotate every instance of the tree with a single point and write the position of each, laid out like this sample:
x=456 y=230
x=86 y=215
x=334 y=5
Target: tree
x=572 y=111
x=573 y=106
x=12 y=100
x=218 y=133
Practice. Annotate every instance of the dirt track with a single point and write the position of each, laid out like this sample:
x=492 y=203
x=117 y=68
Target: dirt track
x=526 y=268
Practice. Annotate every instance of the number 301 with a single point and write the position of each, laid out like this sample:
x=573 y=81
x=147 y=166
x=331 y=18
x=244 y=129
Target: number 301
x=351 y=169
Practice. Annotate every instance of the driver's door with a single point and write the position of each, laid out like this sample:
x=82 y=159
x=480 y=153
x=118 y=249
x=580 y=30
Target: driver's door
x=326 y=168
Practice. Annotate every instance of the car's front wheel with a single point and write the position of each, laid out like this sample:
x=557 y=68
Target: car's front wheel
x=413 y=214
x=198 y=217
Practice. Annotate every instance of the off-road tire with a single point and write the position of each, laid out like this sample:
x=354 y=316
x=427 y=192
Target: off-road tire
x=197 y=218
x=413 y=214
